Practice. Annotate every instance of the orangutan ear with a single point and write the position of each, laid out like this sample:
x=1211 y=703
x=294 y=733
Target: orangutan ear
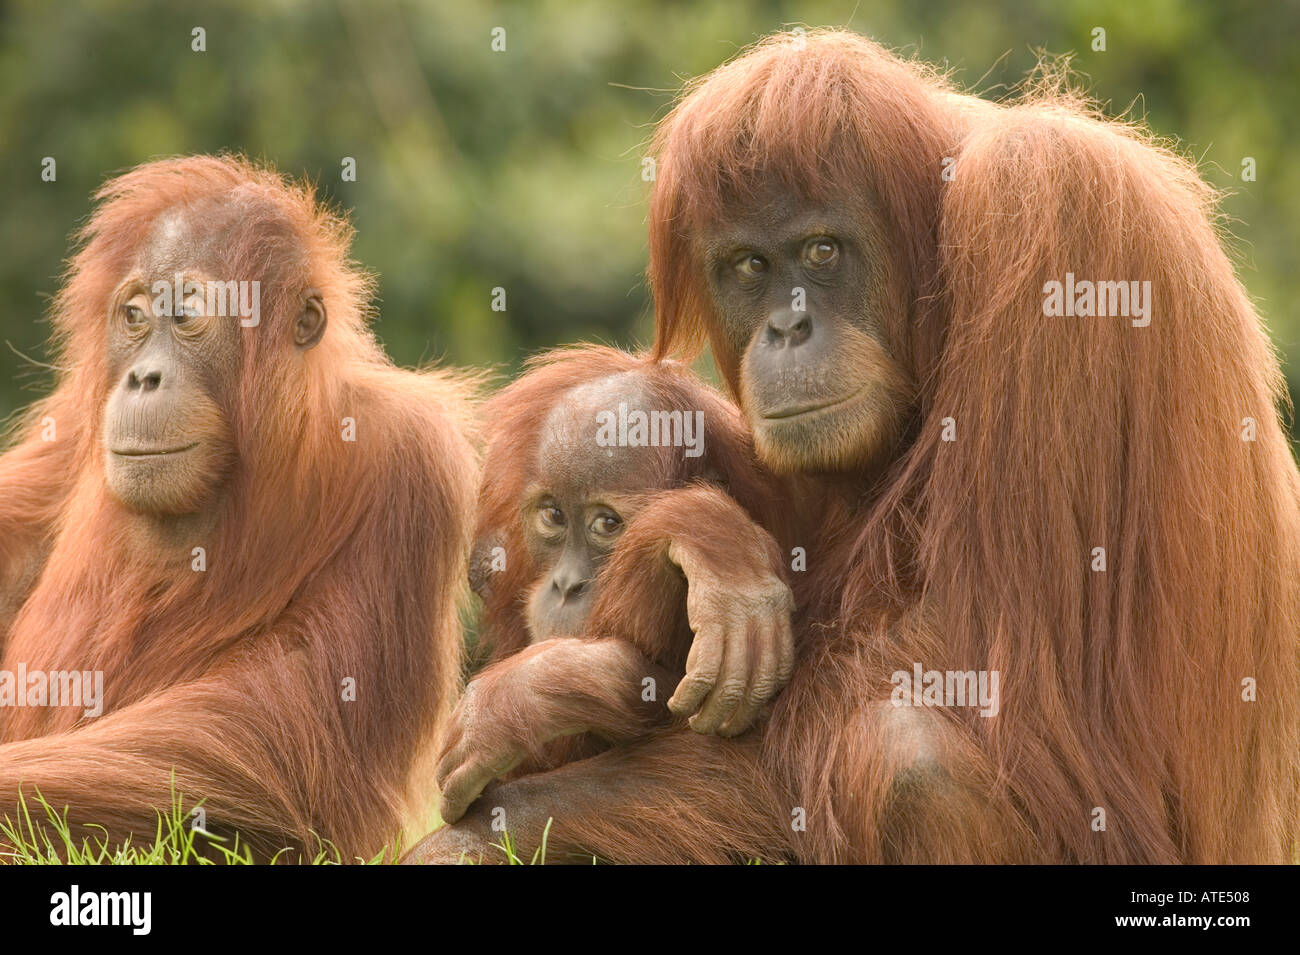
x=310 y=324
x=480 y=563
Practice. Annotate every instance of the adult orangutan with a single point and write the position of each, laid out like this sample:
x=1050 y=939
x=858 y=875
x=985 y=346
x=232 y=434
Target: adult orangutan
x=1099 y=504
x=236 y=510
x=580 y=452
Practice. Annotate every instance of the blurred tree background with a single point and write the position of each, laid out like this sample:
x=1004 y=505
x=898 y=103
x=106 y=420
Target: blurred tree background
x=521 y=169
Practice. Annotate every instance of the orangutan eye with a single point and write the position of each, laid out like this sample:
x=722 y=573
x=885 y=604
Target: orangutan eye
x=607 y=525
x=190 y=308
x=552 y=516
x=751 y=265
x=132 y=315
x=821 y=252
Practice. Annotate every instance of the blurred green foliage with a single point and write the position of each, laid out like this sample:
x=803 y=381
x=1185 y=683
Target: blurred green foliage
x=521 y=169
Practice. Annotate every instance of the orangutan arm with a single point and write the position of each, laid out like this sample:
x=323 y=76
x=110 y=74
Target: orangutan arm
x=737 y=603
x=35 y=480
x=552 y=689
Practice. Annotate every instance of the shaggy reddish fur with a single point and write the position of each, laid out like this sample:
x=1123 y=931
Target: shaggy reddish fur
x=329 y=559
x=1121 y=689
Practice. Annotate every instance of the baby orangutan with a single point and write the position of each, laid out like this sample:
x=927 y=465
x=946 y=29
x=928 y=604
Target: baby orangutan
x=594 y=457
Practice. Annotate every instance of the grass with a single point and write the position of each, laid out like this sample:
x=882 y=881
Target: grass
x=508 y=847
x=42 y=835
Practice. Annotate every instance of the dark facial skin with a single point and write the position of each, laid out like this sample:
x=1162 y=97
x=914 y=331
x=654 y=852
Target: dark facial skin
x=585 y=494
x=817 y=383
x=166 y=435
